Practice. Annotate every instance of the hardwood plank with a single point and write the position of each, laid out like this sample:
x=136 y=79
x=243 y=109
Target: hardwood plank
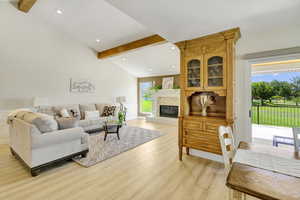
x=151 y=40
x=150 y=171
x=26 y=5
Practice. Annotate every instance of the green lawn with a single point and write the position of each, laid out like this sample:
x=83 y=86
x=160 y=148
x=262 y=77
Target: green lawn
x=277 y=116
x=146 y=106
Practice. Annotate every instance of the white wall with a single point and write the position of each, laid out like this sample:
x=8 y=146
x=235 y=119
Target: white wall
x=36 y=60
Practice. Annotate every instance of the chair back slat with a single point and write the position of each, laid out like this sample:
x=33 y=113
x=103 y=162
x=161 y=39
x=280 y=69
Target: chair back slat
x=227 y=145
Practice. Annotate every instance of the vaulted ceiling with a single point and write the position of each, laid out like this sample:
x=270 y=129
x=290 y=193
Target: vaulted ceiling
x=88 y=21
x=178 y=20
x=104 y=24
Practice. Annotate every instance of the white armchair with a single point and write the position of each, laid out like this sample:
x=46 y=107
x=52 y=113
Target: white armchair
x=39 y=150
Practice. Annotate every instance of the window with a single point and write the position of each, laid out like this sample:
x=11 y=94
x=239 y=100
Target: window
x=146 y=97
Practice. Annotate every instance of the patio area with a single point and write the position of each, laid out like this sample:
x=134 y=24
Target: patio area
x=263 y=134
x=267 y=132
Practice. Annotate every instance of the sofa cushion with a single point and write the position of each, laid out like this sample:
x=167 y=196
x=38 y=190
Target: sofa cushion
x=92 y=115
x=65 y=123
x=108 y=111
x=86 y=107
x=45 y=123
x=72 y=109
x=46 y=110
x=92 y=124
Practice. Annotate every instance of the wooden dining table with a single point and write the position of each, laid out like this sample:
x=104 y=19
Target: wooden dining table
x=248 y=182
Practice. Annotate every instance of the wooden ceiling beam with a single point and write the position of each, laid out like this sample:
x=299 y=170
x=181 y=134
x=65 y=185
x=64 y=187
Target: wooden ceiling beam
x=151 y=40
x=26 y=5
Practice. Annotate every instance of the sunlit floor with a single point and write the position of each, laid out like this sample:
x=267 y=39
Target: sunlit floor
x=150 y=171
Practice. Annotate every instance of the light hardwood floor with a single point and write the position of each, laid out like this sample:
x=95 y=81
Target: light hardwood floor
x=150 y=171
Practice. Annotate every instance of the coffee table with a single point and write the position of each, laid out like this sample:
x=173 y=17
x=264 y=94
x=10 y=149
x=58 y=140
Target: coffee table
x=112 y=127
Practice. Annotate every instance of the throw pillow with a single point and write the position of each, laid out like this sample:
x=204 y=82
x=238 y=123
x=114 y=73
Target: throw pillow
x=92 y=115
x=64 y=113
x=21 y=114
x=86 y=107
x=45 y=123
x=100 y=106
x=74 y=113
x=108 y=111
x=73 y=110
x=65 y=123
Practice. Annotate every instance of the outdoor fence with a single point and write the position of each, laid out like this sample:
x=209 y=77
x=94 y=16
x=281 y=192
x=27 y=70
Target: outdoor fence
x=288 y=116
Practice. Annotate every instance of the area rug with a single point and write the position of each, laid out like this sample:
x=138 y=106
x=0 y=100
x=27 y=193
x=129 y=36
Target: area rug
x=100 y=150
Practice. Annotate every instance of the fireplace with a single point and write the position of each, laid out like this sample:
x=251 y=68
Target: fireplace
x=168 y=111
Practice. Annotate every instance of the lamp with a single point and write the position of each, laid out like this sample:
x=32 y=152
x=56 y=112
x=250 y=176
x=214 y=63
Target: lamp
x=121 y=100
x=40 y=101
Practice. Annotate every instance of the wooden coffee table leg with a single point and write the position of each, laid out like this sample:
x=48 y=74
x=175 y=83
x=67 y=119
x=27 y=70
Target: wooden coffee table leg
x=118 y=135
x=105 y=136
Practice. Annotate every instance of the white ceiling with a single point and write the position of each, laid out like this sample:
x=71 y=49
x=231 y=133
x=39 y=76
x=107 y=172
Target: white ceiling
x=117 y=22
x=162 y=59
x=178 y=20
x=89 y=20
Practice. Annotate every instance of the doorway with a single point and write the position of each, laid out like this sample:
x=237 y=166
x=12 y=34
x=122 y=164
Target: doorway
x=275 y=102
x=145 y=97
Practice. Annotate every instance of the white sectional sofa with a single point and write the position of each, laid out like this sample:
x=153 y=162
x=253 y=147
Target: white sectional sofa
x=40 y=147
x=87 y=125
x=38 y=150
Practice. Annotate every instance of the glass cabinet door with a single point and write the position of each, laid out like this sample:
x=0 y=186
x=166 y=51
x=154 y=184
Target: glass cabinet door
x=194 y=73
x=215 y=71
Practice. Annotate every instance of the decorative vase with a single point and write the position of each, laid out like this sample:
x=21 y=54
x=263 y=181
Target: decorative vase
x=204 y=113
x=121 y=116
x=205 y=101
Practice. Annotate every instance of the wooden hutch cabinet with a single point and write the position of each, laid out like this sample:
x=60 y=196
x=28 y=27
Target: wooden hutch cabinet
x=207 y=68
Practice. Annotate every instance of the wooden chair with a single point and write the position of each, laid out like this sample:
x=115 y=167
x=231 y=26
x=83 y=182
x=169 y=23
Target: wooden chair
x=296 y=134
x=227 y=145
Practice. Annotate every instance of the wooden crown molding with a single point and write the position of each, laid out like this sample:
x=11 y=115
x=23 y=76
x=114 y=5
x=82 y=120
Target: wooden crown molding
x=26 y=5
x=151 y=40
x=233 y=34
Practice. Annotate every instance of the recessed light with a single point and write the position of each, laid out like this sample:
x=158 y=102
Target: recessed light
x=173 y=66
x=97 y=40
x=58 y=11
x=150 y=70
x=123 y=59
x=173 y=48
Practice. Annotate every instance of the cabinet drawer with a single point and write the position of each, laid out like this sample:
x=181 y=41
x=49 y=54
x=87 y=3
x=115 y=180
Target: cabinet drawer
x=193 y=125
x=213 y=128
x=195 y=142
x=202 y=144
x=193 y=133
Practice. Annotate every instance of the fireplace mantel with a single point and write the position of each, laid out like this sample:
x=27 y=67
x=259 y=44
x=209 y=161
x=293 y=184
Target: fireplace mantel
x=167 y=93
x=164 y=97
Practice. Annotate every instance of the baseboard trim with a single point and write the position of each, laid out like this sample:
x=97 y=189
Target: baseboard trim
x=206 y=155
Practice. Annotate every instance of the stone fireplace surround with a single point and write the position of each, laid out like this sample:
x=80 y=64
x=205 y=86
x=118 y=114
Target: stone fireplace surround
x=170 y=97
